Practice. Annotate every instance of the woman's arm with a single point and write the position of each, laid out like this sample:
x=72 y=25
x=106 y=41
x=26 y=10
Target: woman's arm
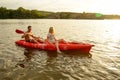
x=54 y=38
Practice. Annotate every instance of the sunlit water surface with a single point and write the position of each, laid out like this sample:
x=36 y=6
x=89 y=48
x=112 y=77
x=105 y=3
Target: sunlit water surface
x=16 y=63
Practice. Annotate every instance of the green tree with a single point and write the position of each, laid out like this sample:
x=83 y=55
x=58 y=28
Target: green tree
x=3 y=13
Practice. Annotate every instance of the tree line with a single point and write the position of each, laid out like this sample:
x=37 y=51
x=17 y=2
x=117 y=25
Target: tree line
x=22 y=13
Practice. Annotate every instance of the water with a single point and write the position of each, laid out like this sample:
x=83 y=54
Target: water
x=16 y=63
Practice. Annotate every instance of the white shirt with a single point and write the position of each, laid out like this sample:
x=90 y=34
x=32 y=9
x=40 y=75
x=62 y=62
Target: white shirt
x=51 y=38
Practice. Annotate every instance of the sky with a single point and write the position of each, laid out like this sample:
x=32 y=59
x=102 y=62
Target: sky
x=97 y=6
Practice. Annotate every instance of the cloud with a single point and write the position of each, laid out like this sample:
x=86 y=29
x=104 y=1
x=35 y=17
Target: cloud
x=9 y=4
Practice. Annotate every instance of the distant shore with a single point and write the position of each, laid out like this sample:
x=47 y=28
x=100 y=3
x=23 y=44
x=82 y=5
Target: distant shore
x=22 y=13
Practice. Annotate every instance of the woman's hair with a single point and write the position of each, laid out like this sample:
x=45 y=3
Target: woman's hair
x=51 y=30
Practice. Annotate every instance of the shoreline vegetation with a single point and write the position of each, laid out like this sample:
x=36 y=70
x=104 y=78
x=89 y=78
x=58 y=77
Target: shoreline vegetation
x=22 y=13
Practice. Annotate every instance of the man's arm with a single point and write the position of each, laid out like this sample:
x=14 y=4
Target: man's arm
x=23 y=36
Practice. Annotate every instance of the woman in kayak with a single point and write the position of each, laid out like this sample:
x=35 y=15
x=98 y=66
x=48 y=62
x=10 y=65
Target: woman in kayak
x=29 y=37
x=51 y=39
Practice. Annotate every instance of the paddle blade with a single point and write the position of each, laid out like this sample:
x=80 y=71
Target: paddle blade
x=19 y=31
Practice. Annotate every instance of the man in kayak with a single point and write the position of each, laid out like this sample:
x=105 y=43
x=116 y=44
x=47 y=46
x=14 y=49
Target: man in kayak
x=29 y=37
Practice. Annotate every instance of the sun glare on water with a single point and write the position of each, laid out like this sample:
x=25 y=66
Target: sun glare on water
x=114 y=30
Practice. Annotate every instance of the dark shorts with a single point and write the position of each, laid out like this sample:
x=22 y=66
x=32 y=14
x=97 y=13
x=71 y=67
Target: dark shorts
x=28 y=40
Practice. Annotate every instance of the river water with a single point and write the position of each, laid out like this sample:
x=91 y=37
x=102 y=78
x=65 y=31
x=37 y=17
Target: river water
x=17 y=63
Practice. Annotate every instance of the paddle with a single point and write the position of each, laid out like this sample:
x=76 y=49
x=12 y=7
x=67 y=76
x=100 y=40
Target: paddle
x=22 y=32
x=19 y=31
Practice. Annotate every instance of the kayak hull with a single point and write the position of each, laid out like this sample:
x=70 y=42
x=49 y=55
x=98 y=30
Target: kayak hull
x=69 y=46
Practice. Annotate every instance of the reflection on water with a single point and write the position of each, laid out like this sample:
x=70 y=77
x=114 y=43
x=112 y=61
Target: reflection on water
x=54 y=66
x=28 y=55
x=51 y=55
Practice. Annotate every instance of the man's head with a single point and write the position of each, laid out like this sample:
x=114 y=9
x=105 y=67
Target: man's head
x=29 y=28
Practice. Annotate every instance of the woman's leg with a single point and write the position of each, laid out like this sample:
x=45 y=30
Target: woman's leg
x=57 y=46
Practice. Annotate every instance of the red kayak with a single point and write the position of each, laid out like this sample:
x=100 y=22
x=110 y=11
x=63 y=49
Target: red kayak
x=69 y=46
